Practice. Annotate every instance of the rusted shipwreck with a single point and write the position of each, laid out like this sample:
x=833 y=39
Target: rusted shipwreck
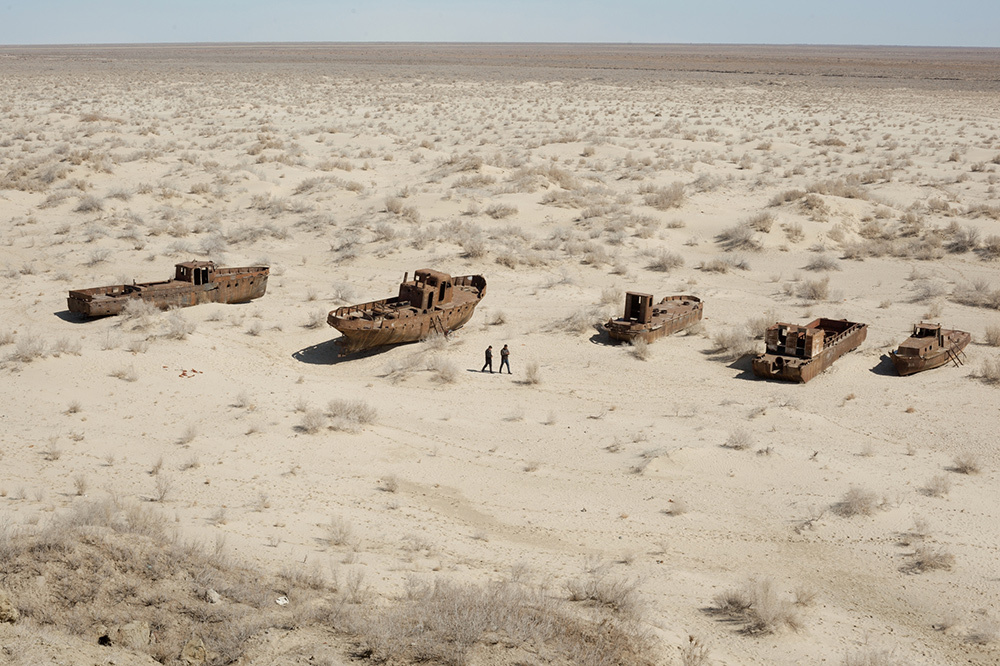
x=799 y=353
x=194 y=282
x=647 y=321
x=930 y=346
x=432 y=302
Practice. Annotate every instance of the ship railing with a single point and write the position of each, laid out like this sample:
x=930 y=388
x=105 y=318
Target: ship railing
x=231 y=270
x=348 y=309
x=854 y=328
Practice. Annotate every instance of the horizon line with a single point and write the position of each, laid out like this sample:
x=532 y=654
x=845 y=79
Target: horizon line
x=491 y=43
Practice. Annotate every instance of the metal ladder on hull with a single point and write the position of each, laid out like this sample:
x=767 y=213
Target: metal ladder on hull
x=955 y=357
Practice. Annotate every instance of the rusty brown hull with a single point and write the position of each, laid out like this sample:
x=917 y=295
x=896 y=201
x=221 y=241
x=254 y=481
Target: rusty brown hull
x=675 y=314
x=235 y=285
x=390 y=322
x=795 y=369
x=955 y=343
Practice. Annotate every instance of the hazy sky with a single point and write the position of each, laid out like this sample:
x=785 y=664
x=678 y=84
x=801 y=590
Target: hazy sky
x=895 y=22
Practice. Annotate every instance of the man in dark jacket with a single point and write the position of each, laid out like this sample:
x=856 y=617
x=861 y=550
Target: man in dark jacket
x=505 y=359
x=489 y=360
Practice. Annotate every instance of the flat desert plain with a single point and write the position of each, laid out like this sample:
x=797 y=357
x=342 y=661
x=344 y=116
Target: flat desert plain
x=216 y=485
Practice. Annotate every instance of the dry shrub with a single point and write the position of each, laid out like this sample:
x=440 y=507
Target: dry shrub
x=758 y=607
x=964 y=240
x=979 y=294
x=740 y=440
x=640 y=349
x=872 y=657
x=178 y=328
x=316 y=319
x=665 y=261
x=739 y=237
x=350 y=414
x=695 y=653
x=757 y=326
x=814 y=290
x=613 y=592
x=732 y=344
x=785 y=197
x=929 y=558
x=28 y=348
x=761 y=222
x=966 y=463
x=823 y=263
x=581 y=321
x=990 y=249
x=313 y=420
x=532 y=373
x=89 y=204
x=992 y=335
x=989 y=371
x=937 y=486
x=138 y=314
x=663 y=198
x=444 y=622
x=500 y=211
x=443 y=370
x=858 y=502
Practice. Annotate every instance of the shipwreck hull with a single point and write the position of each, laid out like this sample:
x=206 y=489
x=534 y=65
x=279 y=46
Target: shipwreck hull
x=361 y=335
x=681 y=312
x=905 y=365
x=789 y=368
x=433 y=303
x=230 y=286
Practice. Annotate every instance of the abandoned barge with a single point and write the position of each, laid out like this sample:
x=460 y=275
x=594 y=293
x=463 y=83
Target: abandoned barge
x=930 y=346
x=194 y=282
x=432 y=302
x=799 y=353
x=645 y=321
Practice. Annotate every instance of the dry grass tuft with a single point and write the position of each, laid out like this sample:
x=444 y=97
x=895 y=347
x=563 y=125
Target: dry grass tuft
x=872 y=657
x=739 y=440
x=350 y=415
x=814 y=290
x=992 y=335
x=858 y=502
x=732 y=344
x=442 y=623
x=758 y=607
x=639 y=348
x=532 y=373
x=966 y=463
x=741 y=237
x=989 y=371
x=929 y=558
x=665 y=261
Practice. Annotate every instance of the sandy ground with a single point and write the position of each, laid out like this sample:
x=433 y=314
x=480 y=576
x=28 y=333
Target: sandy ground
x=341 y=174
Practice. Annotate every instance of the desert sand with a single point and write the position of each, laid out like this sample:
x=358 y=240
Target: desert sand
x=634 y=485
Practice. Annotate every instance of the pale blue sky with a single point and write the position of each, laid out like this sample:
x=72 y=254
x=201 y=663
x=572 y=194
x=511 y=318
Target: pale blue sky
x=891 y=22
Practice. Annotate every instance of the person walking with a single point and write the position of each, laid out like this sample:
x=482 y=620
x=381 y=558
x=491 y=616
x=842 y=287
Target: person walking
x=505 y=359
x=489 y=360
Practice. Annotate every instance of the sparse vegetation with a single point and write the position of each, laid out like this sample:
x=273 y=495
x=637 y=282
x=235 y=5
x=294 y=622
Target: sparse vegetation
x=758 y=607
x=858 y=502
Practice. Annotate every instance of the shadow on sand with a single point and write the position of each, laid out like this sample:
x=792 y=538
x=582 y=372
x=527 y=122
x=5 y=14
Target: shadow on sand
x=745 y=366
x=601 y=337
x=884 y=367
x=328 y=353
x=75 y=317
